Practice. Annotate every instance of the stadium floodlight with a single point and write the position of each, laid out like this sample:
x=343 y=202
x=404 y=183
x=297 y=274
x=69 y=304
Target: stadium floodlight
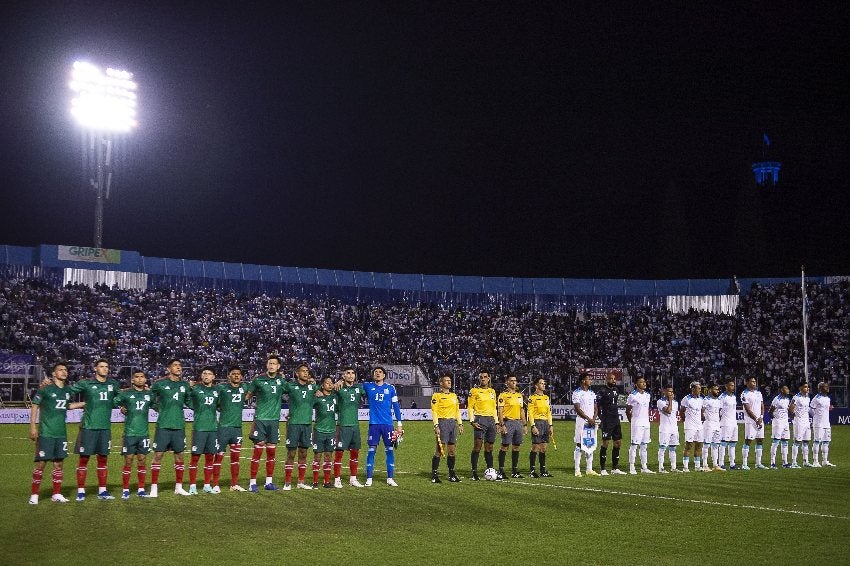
x=104 y=105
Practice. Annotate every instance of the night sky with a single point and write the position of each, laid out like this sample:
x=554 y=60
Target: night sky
x=524 y=139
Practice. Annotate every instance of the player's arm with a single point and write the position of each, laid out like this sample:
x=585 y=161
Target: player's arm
x=34 y=409
x=396 y=410
x=470 y=409
x=629 y=408
x=748 y=410
x=500 y=413
x=523 y=414
x=77 y=405
x=771 y=408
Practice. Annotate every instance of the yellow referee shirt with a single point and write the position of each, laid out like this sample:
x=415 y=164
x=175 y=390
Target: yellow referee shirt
x=482 y=402
x=445 y=406
x=511 y=405
x=539 y=409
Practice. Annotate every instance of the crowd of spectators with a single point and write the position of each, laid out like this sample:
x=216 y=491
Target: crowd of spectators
x=143 y=329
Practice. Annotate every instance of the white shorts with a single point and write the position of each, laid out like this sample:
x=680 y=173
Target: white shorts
x=729 y=432
x=711 y=432
x=640 y=434
x=823 y=434
x=780 y=430
x=668 y=437
x=752 y=430
x=802 y=433
x=693 y=434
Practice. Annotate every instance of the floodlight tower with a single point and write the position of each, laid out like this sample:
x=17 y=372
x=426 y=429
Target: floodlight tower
x=104 y=105
x=766 y=172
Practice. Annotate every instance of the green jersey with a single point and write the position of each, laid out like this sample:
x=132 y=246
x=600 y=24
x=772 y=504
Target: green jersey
x=231 y=400
x=137 y=404
x=268 y=391
x=52 y=404
x=349 y=403
x=325 y=406
x=301 y=402
x=204 y=401
x=100 y=399
x=169 y=398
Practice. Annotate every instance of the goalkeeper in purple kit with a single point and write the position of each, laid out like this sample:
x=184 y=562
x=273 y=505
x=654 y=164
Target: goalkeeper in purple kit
x=383 y=404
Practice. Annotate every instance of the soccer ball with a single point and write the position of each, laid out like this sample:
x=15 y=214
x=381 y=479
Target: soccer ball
x=489 y=474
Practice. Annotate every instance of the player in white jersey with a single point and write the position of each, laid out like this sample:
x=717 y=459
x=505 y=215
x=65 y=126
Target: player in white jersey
x=822 y=432
x=637 y=410
x=753 y=402
x=711 y=428
x=779 y=426
x=728 y=423
x=668 y=428
x=799 y=409
x=584 y=402
x=691 y=407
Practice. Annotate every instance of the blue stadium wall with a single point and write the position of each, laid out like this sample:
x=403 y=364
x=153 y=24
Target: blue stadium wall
x=542 y=293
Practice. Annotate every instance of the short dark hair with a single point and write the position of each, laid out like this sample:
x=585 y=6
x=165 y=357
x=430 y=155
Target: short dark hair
x=101 y=360
x=346 y=368
x=172 y=360
x=234 y=368
x=57 y=364
x=274 y=357
x=208 y=368
x=446 y=374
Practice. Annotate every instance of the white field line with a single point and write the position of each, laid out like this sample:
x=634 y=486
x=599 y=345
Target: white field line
x=682 y=500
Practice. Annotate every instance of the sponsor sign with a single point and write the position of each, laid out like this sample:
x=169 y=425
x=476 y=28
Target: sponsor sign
x=598 y=376
x=404 y=375
x=15 y=364
x=95 y=255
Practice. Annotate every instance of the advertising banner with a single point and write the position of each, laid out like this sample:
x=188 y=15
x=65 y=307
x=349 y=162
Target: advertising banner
x=95 y=255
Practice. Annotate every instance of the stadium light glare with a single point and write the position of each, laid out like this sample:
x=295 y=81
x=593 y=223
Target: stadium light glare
x=104 y=99
x=104 y=104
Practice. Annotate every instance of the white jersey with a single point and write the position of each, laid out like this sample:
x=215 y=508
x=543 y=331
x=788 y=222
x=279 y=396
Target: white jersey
x=820 y=411
x=711 y=408
x=667 y=423
x=728 y=409
x=639 y=402
x=801 y=410
x=780 y=406
x=584 y=400
x=755 y=401
x=693 y=411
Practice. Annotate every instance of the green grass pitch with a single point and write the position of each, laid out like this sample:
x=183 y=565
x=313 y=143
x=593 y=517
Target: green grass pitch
x=761 y=516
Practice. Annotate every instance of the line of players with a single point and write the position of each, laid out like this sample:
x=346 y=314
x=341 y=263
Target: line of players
x=709 y=421
x=217 y=427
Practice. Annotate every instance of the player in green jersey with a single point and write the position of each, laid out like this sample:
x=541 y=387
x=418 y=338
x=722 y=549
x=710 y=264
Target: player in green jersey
x=324 y=433
x=47 y=428
x=204 y=401
x=231 y=401
x=350 y=394
x=169 y=396
x=135 y=404
x=299 y=424
x=265 y=433
x=95 y=433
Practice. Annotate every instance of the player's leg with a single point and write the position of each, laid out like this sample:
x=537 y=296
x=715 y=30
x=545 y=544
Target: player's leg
x=760 y=448
x=156 y=465
x=178 y=472
x=373 y=438
x=57 y=481
x=477 y=444
x=104 y=445
x=126 y=471
x=84 y=451
x=37 y=475
x=532 y=460
x=141 y=473
x=302 y=466
x=194 y=458
x=774 y=446
x=389 y=452
x=603 y=450
x=662 y=449
x=450 y=461
x=745 y=449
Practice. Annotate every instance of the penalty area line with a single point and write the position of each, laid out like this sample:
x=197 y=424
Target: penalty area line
x=684 y=500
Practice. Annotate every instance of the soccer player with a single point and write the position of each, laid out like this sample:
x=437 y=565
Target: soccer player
x=445 y=412
x=299 y=424
x=668 y=429
x=779 y=425
x=511 y=414
x=350 y=396
x=609 y=417
x=540 y=419
x=711 y=430
x=728 y=423
x=231 y=401
x=753 y=403
x=481 y=407
x=325 y=404
x=637 y=410
x=135 y=404
x=204 y=399
x=692 y=414
x=265 y=433
x=584 y=401
x=50 y=405
x=169 y=396
x=383 y=404
x=802 y=425
x=95 y=433
x=820 y=407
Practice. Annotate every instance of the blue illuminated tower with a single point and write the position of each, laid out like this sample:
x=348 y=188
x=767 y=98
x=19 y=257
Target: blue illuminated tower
x=766 y=172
